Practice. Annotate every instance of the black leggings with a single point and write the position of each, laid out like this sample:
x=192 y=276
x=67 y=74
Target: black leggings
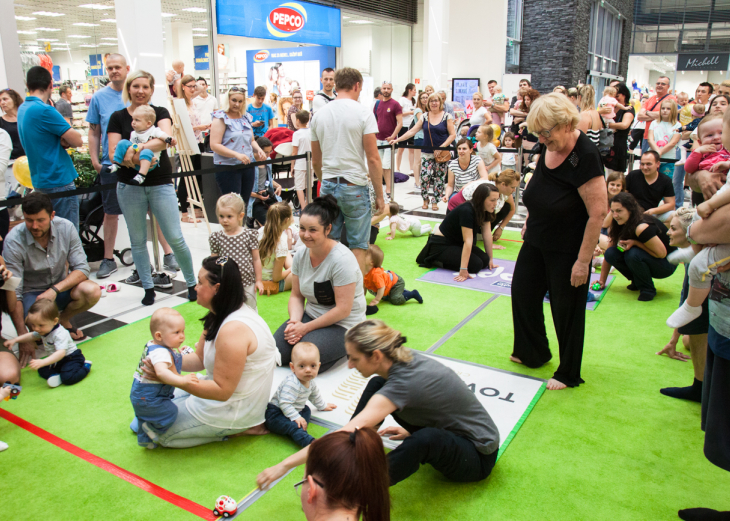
x=456 y=457
x=501 y=215
x=438 y=253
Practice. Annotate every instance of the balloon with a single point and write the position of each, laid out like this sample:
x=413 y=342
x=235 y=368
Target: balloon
x=21 y=171
x=497 y=143
x=497 y=130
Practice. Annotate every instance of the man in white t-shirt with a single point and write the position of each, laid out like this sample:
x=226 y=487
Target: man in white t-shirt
x=204 y=104
x=327 y=93
x=343 y=135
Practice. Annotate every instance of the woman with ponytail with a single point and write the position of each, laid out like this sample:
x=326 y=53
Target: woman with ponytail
x=346 y=477
x=441 y=421
x=327 y=296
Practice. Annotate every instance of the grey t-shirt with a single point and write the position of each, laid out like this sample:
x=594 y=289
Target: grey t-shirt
x=429 y=394
x=339 y=268
x=64 y=108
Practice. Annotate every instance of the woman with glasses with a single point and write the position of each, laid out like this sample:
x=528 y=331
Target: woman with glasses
x=187 y=89
x=566 y=204
x=441 y=421
x=156 y=194
x=238 y=353
x=233 y=143
x=298 y=100
x=346 y=477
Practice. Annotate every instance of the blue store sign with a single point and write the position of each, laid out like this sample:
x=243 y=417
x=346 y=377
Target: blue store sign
x=96 y=65
x=202 y=58
x=301 y=22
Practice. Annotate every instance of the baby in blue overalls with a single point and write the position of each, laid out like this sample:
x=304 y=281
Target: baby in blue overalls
x=152 y=400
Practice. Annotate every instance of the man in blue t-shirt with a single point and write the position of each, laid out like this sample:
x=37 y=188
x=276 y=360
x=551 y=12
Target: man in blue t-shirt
x=263 y=115
x=104 y=103
x=44 y=135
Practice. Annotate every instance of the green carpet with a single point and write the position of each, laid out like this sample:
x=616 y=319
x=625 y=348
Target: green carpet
x=613 y=448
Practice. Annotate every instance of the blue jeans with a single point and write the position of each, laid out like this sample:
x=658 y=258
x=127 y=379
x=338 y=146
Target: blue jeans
x=121 y=151
x=278 y=423
x=235 y=181
x=66 y=207
x=152 y=404
x=678 y=182
x=644 y=146
x=70 y=368
x=354 y=203
x=162 y=201
x=63 y=299
x=640 y=267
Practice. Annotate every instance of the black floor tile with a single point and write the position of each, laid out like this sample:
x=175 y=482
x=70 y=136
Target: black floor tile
x=104 y=327
x=87 y=317
x=177 y=286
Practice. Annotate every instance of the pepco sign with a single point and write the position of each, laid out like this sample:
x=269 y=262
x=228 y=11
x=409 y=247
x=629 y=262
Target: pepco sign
x=261 y=56
x=286 y=19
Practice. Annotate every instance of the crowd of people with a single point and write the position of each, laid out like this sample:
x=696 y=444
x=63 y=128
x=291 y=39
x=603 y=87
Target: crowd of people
x=636 y=223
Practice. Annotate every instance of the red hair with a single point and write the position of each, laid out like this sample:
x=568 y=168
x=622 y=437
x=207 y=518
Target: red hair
x=354 y=470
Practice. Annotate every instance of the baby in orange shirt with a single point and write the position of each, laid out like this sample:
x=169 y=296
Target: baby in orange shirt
x=384 y=284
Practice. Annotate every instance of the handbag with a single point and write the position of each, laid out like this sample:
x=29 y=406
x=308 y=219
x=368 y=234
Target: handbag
x=440 y=156
x=605 y=139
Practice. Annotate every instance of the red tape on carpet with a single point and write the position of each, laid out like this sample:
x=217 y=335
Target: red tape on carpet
x=147 y=486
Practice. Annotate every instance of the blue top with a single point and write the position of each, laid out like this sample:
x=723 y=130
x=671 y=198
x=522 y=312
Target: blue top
x=439 y=133
x=263 y=113
x=269 y=184
x=103 y=104
x=237 y=137
x=416 y=112
x=40 y=127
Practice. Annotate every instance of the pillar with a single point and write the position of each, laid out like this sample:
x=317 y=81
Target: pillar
x=181 y=36
x=436 y=43
x=11 y=70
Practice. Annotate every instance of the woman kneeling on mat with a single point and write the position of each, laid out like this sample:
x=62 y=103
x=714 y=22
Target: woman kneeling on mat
x=237 y=348
x=452 y=245
x=441 y=423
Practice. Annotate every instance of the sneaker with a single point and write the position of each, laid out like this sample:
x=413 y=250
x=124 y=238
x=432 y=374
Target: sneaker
x=54 y=380
x=170 y=262
x=3 y=446
x=162 y=280
x=107 y=267
x=102 y=289
x=134 y=426
x=133 y=278
x=87 y=365
x=151 y=445
x=149 y=431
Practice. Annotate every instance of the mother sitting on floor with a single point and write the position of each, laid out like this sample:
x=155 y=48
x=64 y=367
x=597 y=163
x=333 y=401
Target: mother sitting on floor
x=327 y=277
x=238 y=353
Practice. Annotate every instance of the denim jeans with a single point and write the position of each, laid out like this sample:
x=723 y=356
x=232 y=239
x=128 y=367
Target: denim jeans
x=63 y=299
x=354 y=203
x=71 y=369
x=153 y=404
x=162 y=201
x=678 y=182
x=238 y=181
x=66 y=207
x=278 y=423
x=640 y=267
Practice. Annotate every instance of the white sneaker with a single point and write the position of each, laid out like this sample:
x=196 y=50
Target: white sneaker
x=680 y=255
x=54 y=380
x=3 y=446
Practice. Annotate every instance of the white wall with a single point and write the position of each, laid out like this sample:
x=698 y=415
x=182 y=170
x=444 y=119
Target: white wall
x=356 y=48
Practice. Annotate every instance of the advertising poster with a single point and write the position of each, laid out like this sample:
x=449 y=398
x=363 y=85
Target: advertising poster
x=224 y=56
x=96 y=65
x=202 y=58
x=463 y=89
x=284 y=70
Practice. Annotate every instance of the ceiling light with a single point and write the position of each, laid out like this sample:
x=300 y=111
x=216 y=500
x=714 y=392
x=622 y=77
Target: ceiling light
x=24 y=18
x=46 y=13
x=47 y=39
x=97 y=6
x=78 y=36
x=345 y=17
x=89 y=46
x=110 y=38
x=27 y=32
x=109 y=20
x=167 y=15
x=50 y=29
x=84 y=24
x=200 y=28
x=361 y=22
x=195 y=10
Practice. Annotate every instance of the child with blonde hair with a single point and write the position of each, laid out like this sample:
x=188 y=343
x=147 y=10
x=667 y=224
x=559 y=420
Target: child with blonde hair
x=274 y=238
x=385 y=285
x=405 y=224
x=609 y=100
x=239 y=243
x=663 y=137
x=487 y=150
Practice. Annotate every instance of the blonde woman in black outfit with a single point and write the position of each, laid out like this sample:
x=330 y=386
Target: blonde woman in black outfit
x=566 y=203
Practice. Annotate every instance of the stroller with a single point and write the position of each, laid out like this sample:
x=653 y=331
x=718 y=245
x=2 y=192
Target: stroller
x=91 y=217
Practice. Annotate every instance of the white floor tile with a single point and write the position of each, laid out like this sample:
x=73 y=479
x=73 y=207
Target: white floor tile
x=162 y=301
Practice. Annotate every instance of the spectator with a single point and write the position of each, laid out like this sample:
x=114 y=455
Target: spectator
x=418 y=114
x=650 y=109
x=204 y=105
x=724 y=88
x=617 y=158
x=429 y=90
x=573 y=96
x=265 y=190
x=650 y=189
x=9 y=366
x=663 y=135
x=63 y=105
x=9 y=103
x=327 y=94
x=524 y=84
x=275 y=242
x=187 y=89
x=481 y=115
x=389 y=118
x=39 y=252
x=262 y=116
x=298 y=102
x=406 y=104
x=644 y=247
x=343 y=136
x=156 y=194
x=44 y=135
x=498 y=110
x=719 y=104
x=103 y=104
x=173 y=77
x=448 y=106
x=464 y=169
x=590 y=120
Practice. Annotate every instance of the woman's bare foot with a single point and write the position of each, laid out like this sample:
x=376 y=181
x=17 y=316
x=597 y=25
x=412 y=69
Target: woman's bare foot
x=497 y=247
x=554 y=385
x=258 y=430
x=515 y=359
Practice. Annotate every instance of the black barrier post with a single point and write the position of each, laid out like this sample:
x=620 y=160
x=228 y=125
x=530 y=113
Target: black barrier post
x=309 y=178
x=392 y=172
x=518 y=164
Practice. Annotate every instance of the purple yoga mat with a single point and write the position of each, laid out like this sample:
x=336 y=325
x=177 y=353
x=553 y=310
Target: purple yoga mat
x=498 y=280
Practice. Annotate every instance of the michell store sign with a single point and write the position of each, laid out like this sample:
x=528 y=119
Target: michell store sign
x=703 y=61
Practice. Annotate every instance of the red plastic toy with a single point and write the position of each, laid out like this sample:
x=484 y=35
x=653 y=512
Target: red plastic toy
x=225 y=506
x=14 y=390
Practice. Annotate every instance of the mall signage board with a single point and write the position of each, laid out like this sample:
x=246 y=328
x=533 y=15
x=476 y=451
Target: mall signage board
x=301 y=22
x=96 y=65
x=463 y=88
x=202 y=58
x=714 y=61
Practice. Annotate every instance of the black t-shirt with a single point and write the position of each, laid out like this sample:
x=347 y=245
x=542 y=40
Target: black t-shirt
x=11 y=127
x=462 y=216
x=557 y=214
x=649 y=195
x=656 y=228
x=120 y=122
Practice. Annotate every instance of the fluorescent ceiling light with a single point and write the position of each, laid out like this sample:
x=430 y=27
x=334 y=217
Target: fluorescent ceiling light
x=78 y=36
x=200 y=28
x=89 y=46
x=84 y=24
x=345 y=17
x=27 y=32
x=109 y=20
x=167 y=15
x=49 y=29
x=195 y=10
x=47 y=39
x=110 y=38
x=361 y=22
x=97 y=6
x=46 y=13
x=25 y=18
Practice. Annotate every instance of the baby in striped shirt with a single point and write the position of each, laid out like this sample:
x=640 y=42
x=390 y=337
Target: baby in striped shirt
x=287 y=413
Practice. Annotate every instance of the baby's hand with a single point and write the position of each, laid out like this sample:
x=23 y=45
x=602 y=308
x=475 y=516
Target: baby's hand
x=301 y=423
x=9 y=343
x=191 y=378
x=330 y=407
x=706 y=149
x=704 y=210
x=722 y=166
x=389 y=238
x=35 y=364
